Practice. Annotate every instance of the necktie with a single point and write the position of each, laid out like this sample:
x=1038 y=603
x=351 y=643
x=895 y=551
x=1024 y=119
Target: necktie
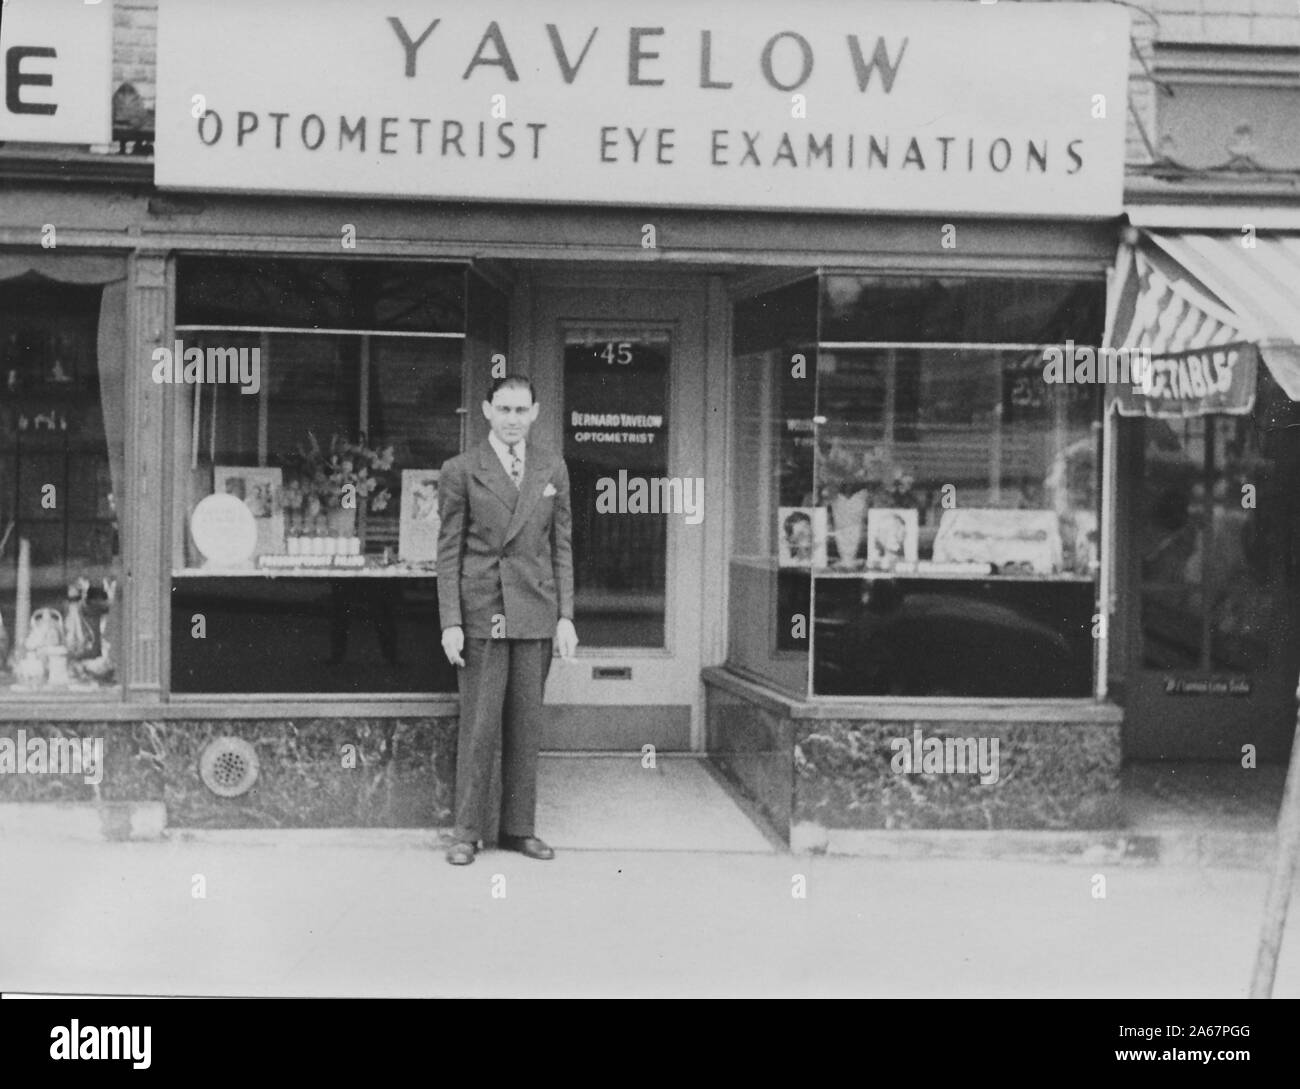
x=516 y=466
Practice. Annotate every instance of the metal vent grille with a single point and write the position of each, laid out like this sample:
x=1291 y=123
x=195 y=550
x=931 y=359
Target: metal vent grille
x=228 y=766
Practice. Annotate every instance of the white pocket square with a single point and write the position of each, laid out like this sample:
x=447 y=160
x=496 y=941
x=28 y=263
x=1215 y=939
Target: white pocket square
x=548 y=490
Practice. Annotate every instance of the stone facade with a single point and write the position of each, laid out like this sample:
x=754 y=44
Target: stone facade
x=398 y=773
x=805 y=772
x=1050 y=775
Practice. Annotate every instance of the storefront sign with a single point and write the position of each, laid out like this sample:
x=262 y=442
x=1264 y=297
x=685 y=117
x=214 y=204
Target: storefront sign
x=941 y=107
x=56 y=61
x=1208 y=686
x=1194 y=383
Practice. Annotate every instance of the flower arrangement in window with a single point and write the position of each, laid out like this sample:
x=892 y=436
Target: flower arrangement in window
x=334 y=484
x=855 y=477
x=847 y=467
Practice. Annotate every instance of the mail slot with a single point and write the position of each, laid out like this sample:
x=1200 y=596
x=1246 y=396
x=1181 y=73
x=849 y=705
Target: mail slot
x=611 y=673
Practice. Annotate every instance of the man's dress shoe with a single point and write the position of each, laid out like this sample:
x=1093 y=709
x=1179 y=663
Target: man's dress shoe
x=527 y=845
x=460 y=854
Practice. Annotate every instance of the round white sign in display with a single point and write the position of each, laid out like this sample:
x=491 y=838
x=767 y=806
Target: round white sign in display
x=224 y=531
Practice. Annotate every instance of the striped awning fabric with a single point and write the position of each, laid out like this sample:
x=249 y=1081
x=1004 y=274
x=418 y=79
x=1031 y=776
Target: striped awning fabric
x=1179 y=292
x=1258 y=276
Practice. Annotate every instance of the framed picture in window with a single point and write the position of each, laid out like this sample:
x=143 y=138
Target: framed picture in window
x=260 y=490
x=801 y=541
x=893 y=534
x=417 y=528
x=1013 y=541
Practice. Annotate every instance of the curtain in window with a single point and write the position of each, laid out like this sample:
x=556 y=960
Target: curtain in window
x=111 y=341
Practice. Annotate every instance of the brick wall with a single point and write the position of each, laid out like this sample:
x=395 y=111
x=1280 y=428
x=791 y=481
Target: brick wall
x=135 y=46
x=1227 y=22
x=1142 y=138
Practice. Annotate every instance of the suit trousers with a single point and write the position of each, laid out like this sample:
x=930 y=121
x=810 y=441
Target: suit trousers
x=501 y=686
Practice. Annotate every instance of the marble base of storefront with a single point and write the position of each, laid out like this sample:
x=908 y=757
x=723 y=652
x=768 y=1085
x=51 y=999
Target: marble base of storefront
x=820 y=766
x=304 y=772
x=841 y=765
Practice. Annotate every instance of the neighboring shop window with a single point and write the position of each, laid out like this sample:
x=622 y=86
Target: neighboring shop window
x=1213 y=597
x=60 y=552
x=307 y=498
x=938 y=498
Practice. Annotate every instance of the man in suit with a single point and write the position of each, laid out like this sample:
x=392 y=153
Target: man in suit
x=505 y=594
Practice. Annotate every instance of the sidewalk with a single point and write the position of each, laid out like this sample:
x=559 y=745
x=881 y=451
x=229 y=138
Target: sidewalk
x=661 y=887
x=382 y=913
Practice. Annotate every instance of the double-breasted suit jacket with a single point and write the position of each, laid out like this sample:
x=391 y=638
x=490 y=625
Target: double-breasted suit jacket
x=505 y=555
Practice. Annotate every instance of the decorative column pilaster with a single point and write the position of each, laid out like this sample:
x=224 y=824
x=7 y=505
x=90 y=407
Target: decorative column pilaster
x=145 y=551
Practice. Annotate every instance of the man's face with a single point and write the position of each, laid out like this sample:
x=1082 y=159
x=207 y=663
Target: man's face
x=893 y=536
x=800 y=536
x=511 y=413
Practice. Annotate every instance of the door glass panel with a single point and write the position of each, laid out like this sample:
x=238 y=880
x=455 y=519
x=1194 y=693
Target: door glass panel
x=616 y=447
x=1210 y=598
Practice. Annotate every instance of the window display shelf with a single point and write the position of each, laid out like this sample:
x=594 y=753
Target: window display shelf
x=73 y=690
x=952 y=576
x=376 y=570
x=767 y=563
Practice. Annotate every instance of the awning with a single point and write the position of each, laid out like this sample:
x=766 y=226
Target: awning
x=1194 y=311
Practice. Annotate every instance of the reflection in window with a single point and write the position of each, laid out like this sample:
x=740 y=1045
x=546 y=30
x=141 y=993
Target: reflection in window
x=1208 y=601
x=336 y=455
x=338 y=418
x=773 y=401
x=378 y=296
x=373 y=414
x=945 y=310
x=962 y=532
x=940 y=431
x=616 y=433
x=950 y=493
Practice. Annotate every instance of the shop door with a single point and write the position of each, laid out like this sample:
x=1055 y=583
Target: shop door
x=1213 y=649
x=625 y=371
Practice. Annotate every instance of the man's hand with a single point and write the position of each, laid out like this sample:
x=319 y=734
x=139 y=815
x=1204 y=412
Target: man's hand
x=453 y=642
x=566 y=638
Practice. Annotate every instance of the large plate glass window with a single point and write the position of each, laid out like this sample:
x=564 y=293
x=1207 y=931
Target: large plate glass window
x=61 y=456
x=923 y=500
x=347 y=398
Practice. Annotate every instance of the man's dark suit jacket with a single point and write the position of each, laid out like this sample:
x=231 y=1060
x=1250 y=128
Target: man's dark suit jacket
x=502 y=552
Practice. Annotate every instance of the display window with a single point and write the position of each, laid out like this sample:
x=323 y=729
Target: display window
x=60 y=481
x=304 y=558
x=925 y=519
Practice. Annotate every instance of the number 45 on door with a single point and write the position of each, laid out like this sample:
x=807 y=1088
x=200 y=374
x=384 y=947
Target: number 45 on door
x=620 y=353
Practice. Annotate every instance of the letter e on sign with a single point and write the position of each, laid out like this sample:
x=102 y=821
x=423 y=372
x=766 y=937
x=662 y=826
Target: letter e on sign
x=56 y=63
